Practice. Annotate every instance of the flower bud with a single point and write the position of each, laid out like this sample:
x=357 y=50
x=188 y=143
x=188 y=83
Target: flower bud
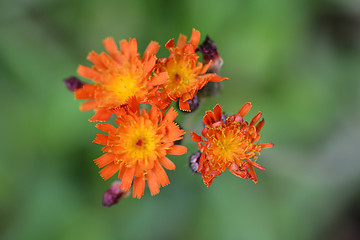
x=114 y=194
x=210 y=53
x=194 y=162
x=73 y=83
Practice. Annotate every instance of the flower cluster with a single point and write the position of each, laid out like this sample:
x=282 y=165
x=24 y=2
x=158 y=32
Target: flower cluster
x=138 y=91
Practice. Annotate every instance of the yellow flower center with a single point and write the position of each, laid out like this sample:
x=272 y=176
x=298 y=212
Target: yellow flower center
x=181 y=77
x=226 y=146
x=122 y=86
x=141 y=141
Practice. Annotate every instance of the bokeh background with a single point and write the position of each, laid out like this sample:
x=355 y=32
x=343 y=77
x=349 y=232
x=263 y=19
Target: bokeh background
x=297 y=61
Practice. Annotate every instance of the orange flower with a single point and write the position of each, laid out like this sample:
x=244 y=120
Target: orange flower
x=137 y=148
x=118 y=76
x=229 y=144
x=186 y=75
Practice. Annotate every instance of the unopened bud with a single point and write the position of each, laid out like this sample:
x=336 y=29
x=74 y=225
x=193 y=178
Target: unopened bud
x=73 y=83
x=210 y=53
x=194 y=162
x=114 y=194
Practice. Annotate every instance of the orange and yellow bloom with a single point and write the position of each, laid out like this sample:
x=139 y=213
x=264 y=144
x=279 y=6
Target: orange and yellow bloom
x=137 y=148
x=119 y=76
x=229 y=144
x=186 y=75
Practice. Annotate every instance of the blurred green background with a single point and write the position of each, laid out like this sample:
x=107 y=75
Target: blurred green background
x=297 y=61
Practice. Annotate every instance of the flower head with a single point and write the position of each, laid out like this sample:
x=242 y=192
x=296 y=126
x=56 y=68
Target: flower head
x=119 y=76
x=137 y=148
x=186 y=75
x=230 y=144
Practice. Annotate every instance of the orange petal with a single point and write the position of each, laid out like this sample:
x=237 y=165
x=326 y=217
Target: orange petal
x=177 y=150
x=105 y=127
x=151 y=49
x=267 y=145
x=139 y=170
x=161 y=175
x=207 y=120
x=133 y=104
x=252 y=174
x=201 y=162
x=159 y=79
x=86 y=106
x=121 y=171
x=239 y=173
x=154 y=114
x=81 y=93
x=195 y=137
x=124 y=46
x=109 y=170
x=181 y=41
x=101 y=116
x=127 y=178
x=215 y=78
x=255 y=165
x=104 y=160
x=101 y=139
x=218 y=112
x=139 y=187
x=88 y=73
x=174 y=133
x=133 y=47
x=244 y=109
x=95 y=59
x=184 y=106
x=260 y=125
x=170 y=115
x=152 y=182
x=149 y=65
x=166 y=163
x=170 y=44
x=256 y=118
x=110 y=45
x=195 y=38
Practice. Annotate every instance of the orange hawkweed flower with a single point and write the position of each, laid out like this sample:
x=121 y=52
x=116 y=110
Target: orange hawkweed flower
x=229 y=144
x=118 y=76
x=186 y=75
x=137 y=148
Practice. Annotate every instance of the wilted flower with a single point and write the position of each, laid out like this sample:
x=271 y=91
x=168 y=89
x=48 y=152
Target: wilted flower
x=186 y=75
x=231 y=144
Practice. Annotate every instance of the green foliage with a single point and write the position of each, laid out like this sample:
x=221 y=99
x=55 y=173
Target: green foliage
x=280 y=55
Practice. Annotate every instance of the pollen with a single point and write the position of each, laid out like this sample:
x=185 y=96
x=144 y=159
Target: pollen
x=181 y=78
x=122 y=87
x=140 y=141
